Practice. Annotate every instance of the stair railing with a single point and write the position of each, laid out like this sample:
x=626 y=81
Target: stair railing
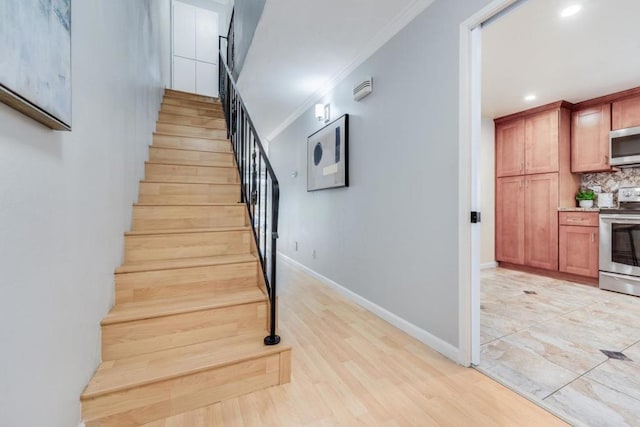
x=259 y=185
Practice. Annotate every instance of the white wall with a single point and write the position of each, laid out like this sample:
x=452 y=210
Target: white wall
x=65 y=201
x=392 y=236
x=487 y=193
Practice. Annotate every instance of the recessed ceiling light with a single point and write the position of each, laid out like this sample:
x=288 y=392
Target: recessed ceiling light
x=570 y=10
x=530 y=98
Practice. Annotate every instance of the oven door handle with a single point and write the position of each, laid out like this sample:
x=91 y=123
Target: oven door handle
x=634 y=219
x=621 y=276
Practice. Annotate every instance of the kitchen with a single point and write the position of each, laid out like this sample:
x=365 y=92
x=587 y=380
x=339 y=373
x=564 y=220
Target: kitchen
x=560 y=316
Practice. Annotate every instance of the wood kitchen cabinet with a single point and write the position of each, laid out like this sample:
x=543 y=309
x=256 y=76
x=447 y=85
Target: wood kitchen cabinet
x=527 y=202
x=528 y=145
x=527 y=220
x=510 y=148
x=625 y=113
x=541 y=221
x=541 y=143
x=590 y=139
x=509 y=219
x=578 y=246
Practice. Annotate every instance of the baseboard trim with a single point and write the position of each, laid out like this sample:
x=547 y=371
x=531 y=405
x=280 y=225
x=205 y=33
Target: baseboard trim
x=488 y=265
x=416 y=332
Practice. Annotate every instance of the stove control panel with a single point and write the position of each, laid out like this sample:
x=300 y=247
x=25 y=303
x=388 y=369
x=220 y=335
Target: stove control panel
x=629 y=194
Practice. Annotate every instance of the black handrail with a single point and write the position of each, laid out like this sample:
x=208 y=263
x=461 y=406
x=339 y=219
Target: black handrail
x=258 y=183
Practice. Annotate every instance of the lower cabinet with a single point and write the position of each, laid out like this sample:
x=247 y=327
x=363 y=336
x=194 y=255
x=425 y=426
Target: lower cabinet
x=578 y=245
x=527 y=220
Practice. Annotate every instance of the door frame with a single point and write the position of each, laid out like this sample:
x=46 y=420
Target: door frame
x=469 y=134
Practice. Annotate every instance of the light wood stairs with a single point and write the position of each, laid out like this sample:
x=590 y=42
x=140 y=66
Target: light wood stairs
x=191 y=308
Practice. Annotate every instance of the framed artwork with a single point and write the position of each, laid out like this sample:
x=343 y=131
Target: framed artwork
x=35 y=64
x=328 y=156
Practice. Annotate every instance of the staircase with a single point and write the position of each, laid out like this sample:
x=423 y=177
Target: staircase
x=191 y=307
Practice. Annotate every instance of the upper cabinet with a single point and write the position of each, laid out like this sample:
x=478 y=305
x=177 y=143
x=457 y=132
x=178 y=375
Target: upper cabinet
x=510 y=148
x=527 y=145
x=626 y=113
x=590 y=139
x=541 y=142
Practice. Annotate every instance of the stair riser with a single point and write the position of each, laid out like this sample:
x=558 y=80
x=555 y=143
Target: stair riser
x=187 y=217
x=153 y=285
x=178 y=119
x=190 y=245
x=149 y=335
x=157 y=192
x=187 y=143
x=168 y=100
x=158 y=154
x=196 y=174
x=196 y=132
x=168 y=93
x=190 y=111
x=131 y=408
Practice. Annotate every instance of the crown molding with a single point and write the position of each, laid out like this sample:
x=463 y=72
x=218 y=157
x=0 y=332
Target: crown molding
x=388 y=31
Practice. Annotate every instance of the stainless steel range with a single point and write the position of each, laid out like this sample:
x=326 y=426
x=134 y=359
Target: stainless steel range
x=620 y=244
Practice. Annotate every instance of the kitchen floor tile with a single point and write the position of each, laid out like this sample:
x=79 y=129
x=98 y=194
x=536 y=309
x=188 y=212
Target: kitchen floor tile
x=523 y=368
x=547 y=342
x=621 y=375
x=596 y=404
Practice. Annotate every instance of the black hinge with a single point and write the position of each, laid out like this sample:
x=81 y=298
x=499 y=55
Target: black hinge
x=475 y=217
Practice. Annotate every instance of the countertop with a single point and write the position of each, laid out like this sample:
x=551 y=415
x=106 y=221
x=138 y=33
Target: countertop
x=576 y=209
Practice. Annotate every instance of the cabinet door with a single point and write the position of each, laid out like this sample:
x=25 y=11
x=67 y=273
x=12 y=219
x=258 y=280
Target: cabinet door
x=579 y=250
x=510 y=219
x=590 y=139
x=541 y=142
x=625 y=113
x=510 y=148
x=541 y=221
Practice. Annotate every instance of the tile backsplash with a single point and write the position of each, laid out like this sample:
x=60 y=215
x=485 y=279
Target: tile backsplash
x=612 y=181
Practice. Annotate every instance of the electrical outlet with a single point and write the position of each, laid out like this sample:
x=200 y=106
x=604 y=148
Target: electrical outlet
x=314 y=255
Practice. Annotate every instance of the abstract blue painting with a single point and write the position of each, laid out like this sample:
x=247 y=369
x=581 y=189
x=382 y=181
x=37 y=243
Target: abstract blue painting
x=35 y=59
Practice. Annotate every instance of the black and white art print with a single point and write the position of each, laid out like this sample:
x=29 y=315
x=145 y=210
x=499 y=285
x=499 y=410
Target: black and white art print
x=327 y=156
x=35 y=59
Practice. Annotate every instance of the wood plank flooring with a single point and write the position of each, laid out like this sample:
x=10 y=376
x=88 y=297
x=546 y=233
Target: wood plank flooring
x=350 y=368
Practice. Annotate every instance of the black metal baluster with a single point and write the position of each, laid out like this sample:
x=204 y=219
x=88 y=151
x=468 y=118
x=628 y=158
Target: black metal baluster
x=257 y=191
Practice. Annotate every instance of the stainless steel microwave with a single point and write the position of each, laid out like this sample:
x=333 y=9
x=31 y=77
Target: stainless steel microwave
x=624 y=146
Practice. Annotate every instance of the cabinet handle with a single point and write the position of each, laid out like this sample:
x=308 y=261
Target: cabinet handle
x=521 y=166
x=606 y=159
x=526 y=183
x=593 y=237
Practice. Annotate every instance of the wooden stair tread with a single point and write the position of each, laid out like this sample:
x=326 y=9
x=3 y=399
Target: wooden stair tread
x=171 y=264
x=220 y=126
x=191 y=137
x=173 y=93
x=122 y=374
x=191 y=149
x=174 y=163
x=185 y=231
x=177 y=305
x=188 y=163
x=161 y=181
x=190 y=204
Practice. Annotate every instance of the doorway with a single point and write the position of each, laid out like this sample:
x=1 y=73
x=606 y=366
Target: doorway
x=575 y=314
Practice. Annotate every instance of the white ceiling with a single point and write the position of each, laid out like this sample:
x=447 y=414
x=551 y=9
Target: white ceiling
x=301 y=49
x=532 y=50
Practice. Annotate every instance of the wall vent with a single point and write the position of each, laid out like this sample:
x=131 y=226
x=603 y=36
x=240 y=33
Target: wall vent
x=362 y=89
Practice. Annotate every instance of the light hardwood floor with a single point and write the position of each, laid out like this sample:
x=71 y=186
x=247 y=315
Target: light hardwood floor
x=350 y=368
